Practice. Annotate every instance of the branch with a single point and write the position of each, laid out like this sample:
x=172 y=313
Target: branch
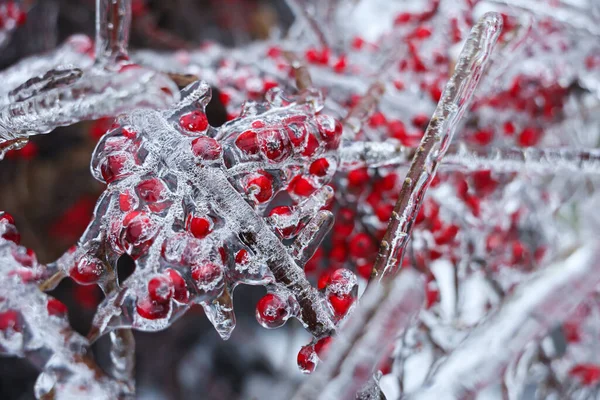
x=463 y=156
x=535 y=307
x=454 y=102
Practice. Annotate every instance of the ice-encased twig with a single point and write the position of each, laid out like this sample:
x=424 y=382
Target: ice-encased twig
x=535 y=307
x=64 y=96
x=465 y=157
x=569 y=15
x=96 y=94
x=454 y=102
x=386 y=308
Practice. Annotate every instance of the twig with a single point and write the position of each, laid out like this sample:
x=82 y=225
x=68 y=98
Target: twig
x=463 y=156
x=536 y=306
x=455 y=100
x=301 y=73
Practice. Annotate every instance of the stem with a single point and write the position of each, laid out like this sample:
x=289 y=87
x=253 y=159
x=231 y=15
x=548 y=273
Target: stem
x=113 y=22
x=535 y=307
x=301 y=73
x=463 y=156
x=454 y=102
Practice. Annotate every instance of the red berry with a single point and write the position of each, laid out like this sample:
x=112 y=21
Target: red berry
x=247 y=142
x=149 y=309
x=483 y=137
x=307 y=359
x=285 y=231
x=7 y=218
x=207 y=275
x=272 y=311
x=384 y=212
x=365 y=270
x=302 y=187
x=113 y=168
x=358 y=178
x=397 y=129
x=138 y=228
x=87 y=271
x=588 y=374
x=319 y=167
x=323 y=280
x=340 y=303
x=260 y=187
x=330 y=129
x=361 y=245
x=447 y=235
x=125 y=201
x=420 y=120
x=273 y=145
x=199 y=227
x=10 y=320
x=160 y=289
x=206 y=148
x=151 y=190
x=483 y=182
x=377 y=119
x=56 y=307
x=180 y=292
x=322 y=345
x=242 y=257
x=194 y=121
x=528 y=137
x=312 y=145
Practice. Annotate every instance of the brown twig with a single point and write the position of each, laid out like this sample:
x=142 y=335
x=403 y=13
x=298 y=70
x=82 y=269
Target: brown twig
x=454 y=102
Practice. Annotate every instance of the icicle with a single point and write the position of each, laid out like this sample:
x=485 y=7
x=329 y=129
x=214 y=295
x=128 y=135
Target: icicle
x=311 y=236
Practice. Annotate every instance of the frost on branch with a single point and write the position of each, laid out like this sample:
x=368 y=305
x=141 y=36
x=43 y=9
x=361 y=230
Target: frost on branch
x=35 y=325
x=35 y=100
x=187 y=201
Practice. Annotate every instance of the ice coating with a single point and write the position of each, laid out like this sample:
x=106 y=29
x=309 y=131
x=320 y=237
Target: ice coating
x=486 y=222
x=39 y=100
x=35 y=325
x=187 y=200
x=456 y=97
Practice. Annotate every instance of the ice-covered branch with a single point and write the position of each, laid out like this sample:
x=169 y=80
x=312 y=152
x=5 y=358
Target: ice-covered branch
x=535 y=307
x=67 y=94
x=454 y=102
x=561 y=11
x=385 y=310
x=463 y=156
